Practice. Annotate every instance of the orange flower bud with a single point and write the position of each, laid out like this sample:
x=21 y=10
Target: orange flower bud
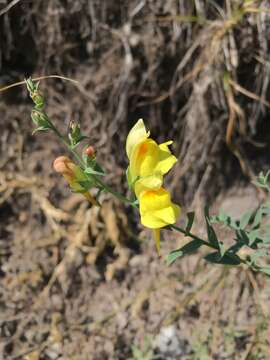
x=90 y=151
x=73 y=174
x=66 y=167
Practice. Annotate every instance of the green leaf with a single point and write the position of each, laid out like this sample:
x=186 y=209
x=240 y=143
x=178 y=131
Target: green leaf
x=223 y=217
x=214 y=219
x=41 y=128
x=227 y=259
x=188 y=248
x=135 y=202
x=31 y=86
x=222 y=249
x=265 y=270
x=190 y=216
x=233 y=224
x=242 y=236
x=262 y=181
x=265 y=208
x=257 y=254
x=252 y=236
x=91 y=171
x=75 y=142
x=245 y=219
x=258 y=219
x=266 y=238
x=75 y=136
x=99 y=168
x=235 y=247
x=212 y=237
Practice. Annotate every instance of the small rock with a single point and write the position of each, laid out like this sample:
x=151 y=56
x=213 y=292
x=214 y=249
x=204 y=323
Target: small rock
x=168 y=343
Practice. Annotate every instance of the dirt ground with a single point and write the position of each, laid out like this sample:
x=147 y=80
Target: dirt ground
x=77 y=283
x=80 y=282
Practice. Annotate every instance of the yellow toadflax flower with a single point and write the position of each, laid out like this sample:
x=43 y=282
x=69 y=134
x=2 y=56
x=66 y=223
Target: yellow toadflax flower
x=73 y=175
x=149 y=161
x=157 y=211
x=147 y=158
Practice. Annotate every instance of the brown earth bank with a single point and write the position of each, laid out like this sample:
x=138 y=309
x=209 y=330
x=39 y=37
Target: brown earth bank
x=79 y=282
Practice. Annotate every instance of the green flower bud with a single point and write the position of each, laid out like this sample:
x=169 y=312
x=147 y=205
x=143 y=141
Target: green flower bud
x=41 y=120
x=34 y=93
x=75 y=135
x=38 y=99
x=31 y=86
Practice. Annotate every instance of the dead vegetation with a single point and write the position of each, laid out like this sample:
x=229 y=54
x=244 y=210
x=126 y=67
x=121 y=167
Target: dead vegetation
x=73 y=280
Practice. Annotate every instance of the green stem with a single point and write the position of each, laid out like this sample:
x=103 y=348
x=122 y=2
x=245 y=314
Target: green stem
x=65 y=142
x=115 y=193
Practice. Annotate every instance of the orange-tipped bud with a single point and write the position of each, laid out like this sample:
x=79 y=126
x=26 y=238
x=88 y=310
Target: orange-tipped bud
x=65 y=166
x=74 y=175
x=90 y=151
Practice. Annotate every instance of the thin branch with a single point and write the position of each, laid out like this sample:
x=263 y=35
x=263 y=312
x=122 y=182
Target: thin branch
x=8 y=7
x=37 y=79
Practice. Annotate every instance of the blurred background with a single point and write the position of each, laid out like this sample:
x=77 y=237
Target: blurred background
x=86 y=283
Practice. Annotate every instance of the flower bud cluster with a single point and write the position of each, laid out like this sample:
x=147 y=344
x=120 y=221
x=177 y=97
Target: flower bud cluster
x=38 y=115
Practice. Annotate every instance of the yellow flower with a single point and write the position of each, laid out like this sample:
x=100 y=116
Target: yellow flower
x=149 y=162
x=147 y=158
x=157 y=211
x=73 y=175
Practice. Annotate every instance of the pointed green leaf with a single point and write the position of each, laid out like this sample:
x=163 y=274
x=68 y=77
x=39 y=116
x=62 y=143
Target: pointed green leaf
x=244 y=221
x=222 y=249
x=266 y=238
x=91 y=171
x=265 y=270
x=188 y=248
x=222 y=216
x=227 y=259
x=41 y=128
x=233 y=224
x=265 y=208
x=235 y=247
x=257 y=254
x=99 y=168
x=258 y=219
x=242 y=237
x=212 y=237
x=253 y=235
x=190 y=216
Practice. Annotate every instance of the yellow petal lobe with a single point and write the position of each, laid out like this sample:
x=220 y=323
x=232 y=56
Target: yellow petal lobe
x=157 y=209
x=136 y=135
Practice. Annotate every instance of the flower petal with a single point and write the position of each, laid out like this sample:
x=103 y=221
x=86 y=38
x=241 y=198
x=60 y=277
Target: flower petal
x=136 y=135
x=169 y=215
x=148 y=158
x=143 y=158
x=166 y=159
x=153 y=200
x=157 y=209
x=153 y=182
x=150 y=221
